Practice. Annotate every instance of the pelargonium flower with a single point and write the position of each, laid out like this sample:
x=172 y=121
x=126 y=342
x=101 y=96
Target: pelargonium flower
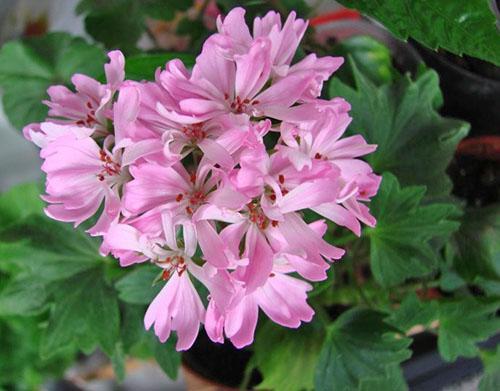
x=206 y=173
x=80 y=176
x=89 y=106
x=178 y=305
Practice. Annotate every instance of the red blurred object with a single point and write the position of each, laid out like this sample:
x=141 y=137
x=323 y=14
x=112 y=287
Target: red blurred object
x=334 y=16
x=428 y=294
x=482 y=147
x=36 y=27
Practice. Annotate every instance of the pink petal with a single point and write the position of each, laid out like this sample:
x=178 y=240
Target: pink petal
x=234 y=26
x=124 y=237
x=241 y=322
x=109 y=215
x=252 y=69
x=260 y=256
x=283 y=299
x=115 y=69
x=214 y=323
x=216 y=153
x=309 y=194
x=307 y=268
x=283 y=94
x=298 y=235
x=188 y=314
x=339 y=215
x=211 y=244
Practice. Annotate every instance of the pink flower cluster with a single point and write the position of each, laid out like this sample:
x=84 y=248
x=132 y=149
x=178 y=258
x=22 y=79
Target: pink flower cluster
x=206 y=173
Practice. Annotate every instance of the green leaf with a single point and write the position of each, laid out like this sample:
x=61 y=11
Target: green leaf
x=462 y=27
x=166 y=356
x=164 y=9
x=275 y=346
x=400 y=245
x=371 y=57
x=19 y=202
x=126 y=18
x=449 y=279
x=463 y=324
x=413 y=312
x=301 y=7
x=143 y=66
x=194 y=29
x=392 y=381
x=132 y=327
x=118 y=361
x=21 y=367
x=137 y=286
x=477 y=245
x=28 y=67
x=85 y=314
x=491 y=378
x=49 y=250
x=414 y=142
x=359 y=347
x=22 y=296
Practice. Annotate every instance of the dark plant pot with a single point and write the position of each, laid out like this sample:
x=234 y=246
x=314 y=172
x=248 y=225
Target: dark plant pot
x=471 y=89
x=223 y=366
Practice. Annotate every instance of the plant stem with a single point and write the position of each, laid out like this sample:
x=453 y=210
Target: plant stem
x=321 y=313
x=247 y=375
x=352 y=273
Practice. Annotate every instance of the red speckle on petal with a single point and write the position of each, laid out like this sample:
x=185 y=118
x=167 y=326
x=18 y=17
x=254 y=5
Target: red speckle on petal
x=165 y=275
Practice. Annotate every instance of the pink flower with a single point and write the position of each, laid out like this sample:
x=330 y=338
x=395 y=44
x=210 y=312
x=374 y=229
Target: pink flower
x=80 y=176
x=89 y=106
x=177 y=307
x=220 y=85
x=235 y=36
x=319 y=140
x=282 y=298
x=207 y=174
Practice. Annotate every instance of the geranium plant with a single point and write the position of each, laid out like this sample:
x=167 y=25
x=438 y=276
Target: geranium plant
x=236 y=189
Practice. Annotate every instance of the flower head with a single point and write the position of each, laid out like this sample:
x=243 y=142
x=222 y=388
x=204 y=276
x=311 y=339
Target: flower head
x=206 y=173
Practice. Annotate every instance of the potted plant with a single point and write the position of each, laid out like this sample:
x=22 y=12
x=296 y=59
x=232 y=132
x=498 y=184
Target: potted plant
x=218 y=188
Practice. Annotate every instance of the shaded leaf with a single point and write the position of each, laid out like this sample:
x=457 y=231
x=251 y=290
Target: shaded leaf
x=21 y=367
x=137 y=286
x=143 y=66
x=400 y=245
x=166 y=356
x=413 y=312
x=393 y=380
x=128 y=18
x=22 y=296
x=85 y=314
x=125 y=17
x=462 y=27
x=414 y=142
x=477 y=245
x=19 y=202
x=359 y=347
x=463 y=324
x=28 y=67
x=491 y=377
x=49 y=250
x=275 y=346
x=118 y=361
x=372 y=58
